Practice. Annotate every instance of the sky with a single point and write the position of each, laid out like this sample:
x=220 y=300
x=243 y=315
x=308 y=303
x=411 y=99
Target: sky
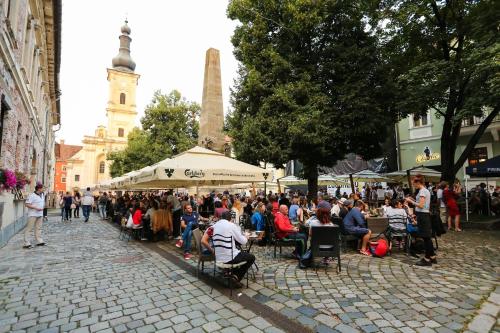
x=169 y=41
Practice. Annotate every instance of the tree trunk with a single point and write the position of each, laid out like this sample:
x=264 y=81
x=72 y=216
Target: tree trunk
x=311 y=174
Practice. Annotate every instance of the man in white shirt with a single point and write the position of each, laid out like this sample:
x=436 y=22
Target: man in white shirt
x=35 y=204
x=87 y=201
x=223 y=230
x=442 y=206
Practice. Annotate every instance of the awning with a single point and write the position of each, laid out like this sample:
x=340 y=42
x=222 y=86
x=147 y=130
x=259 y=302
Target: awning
x=487 y=169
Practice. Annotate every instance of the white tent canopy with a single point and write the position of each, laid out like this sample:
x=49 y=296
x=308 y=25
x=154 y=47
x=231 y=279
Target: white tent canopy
x=198 y=167
x=366 y=176
x=429 y=174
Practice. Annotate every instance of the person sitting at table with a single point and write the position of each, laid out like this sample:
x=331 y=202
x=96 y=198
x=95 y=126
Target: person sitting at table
x=189 y=222
x=286 y=231
x=355 y=224
x=257 y=219
x=223 y=251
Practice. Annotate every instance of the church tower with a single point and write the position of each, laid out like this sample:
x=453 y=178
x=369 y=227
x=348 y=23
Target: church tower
x=121 y=110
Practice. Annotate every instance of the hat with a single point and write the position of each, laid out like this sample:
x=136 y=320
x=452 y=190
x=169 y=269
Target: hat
x=348 y=203
x=324 y=204
x=342 y=200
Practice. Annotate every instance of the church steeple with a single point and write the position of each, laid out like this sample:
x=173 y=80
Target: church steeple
x=123 y=61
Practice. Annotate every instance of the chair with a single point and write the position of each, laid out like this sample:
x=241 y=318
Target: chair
x=345 y=236
x=225 y=242
x=397 y=228
x=197 y=235
x=378 y=226
x=325 y=242
x=277 y=242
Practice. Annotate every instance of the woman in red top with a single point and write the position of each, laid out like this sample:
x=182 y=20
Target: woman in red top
x=137 y=215
x=450 y=200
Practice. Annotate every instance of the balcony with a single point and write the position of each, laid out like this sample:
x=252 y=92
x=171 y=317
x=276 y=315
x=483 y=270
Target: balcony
x=470 y=125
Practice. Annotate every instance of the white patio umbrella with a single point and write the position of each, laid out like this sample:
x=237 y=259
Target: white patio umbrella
x=325 y=180
x=364 y=176
x=198 y=167
x=402 y=175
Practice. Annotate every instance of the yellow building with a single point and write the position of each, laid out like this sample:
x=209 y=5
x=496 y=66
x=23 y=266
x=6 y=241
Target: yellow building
x=89 y=166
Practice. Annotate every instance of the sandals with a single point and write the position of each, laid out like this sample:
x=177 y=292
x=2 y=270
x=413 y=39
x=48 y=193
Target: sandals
x=365 y=253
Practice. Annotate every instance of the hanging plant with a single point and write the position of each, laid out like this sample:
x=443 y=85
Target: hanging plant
x=22 y=180
x=8 y=179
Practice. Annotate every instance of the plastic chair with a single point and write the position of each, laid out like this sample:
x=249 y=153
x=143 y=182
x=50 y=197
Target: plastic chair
x=325 y=242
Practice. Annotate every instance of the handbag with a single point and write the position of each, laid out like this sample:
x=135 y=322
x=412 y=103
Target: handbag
x=130 y=221
x=73 y=206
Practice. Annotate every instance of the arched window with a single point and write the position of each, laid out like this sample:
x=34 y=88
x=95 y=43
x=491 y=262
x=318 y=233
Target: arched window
x=102 y=167
x=122 y=98
x=121 y=132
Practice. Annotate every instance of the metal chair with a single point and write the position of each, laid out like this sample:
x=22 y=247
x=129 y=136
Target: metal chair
x=197 y=235
x=325 y=242
x=226 y=242
x=397 y=229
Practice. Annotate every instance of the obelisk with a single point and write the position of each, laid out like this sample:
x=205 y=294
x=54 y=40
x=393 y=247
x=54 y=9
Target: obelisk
x=212 y=114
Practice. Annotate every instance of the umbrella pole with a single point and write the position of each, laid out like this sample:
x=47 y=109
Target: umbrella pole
x=408 y=178
x=352 y=183
x=254 y=193
x=265 y=189
x=466 y=197
x=197 y=196
x=488 y=195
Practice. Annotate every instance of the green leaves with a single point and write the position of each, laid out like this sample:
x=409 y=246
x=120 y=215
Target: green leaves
x=169 y=127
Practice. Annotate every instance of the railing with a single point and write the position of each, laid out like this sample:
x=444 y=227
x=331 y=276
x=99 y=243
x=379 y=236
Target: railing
x=473 y=121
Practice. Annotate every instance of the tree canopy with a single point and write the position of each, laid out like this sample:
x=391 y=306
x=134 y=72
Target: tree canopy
x=169 y=127
x=444 y=57
x=312 y=85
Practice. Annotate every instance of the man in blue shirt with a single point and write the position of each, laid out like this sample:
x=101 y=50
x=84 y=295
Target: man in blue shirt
x=189 y=221
x=355 y=224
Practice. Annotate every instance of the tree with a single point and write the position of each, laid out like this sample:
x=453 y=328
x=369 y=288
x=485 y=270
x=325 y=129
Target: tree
x=311 y=84
x=445 y=57
x=169 y=127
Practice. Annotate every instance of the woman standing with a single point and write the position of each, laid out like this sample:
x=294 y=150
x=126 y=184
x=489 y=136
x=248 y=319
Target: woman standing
x=77 y=202
x=68 y=202
x=450 y=200
x=422 y=210
x=236 y=211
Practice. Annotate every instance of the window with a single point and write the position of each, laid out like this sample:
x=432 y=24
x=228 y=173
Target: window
x=478 y=155
x=102 y=167
x=121 y=132
x=63 y=179
x=122 y=98
x=64 y=168
x=3 y=109
x=420 y=120
x=77 y=178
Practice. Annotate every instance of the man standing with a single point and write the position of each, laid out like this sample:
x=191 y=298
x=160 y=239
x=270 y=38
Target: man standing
x=103 y=202
x=174 y=202
x=87 y=201
x=35 y=204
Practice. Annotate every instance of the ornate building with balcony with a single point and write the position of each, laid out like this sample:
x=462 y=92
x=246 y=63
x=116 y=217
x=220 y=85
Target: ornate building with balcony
x=30 y=52
x=419 y=142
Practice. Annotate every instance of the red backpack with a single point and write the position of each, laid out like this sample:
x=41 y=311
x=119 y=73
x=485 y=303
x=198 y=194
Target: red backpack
x=380 y=248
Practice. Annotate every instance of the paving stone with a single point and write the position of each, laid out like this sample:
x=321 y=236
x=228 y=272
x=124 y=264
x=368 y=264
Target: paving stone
x=212 y=327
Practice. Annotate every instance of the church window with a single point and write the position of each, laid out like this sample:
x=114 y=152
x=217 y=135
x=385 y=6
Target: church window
x=101 y=167
x=4 y=108
x=63 y=179
x=122 y=98
x=121 y=132
x=77 y=178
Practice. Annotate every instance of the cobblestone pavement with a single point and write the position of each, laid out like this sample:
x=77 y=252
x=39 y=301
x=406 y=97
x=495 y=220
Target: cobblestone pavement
x=87 y=280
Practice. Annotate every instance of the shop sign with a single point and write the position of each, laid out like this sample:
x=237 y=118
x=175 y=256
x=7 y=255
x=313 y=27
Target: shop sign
x=427 y=155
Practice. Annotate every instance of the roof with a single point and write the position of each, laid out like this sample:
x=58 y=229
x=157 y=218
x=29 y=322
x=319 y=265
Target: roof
x=64 y=152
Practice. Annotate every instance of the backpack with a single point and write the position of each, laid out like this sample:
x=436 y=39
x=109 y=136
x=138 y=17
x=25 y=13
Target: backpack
x=380 y=248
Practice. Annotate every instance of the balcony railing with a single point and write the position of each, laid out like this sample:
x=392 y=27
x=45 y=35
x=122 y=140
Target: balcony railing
x=473 y=121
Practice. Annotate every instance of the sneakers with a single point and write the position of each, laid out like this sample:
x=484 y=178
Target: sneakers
x=40 y=244
x=29 y=246
x=424 y=262
x=187 y=256
x=179 y=243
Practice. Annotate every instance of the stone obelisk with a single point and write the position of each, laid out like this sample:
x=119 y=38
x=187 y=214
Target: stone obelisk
x=212 y=114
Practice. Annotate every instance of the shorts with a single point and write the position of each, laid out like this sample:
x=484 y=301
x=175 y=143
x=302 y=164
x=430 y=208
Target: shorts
x=359 y=232
x=424 y=225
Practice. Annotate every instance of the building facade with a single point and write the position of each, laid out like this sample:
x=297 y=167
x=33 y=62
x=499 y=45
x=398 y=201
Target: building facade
x=419 y=142
x=30 y=34
x=90 y=165
x=64 y=153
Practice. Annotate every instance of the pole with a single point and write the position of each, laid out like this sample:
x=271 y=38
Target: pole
x=408 y=177
x=466 y=197
x=352 y=183
x=488 y=195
